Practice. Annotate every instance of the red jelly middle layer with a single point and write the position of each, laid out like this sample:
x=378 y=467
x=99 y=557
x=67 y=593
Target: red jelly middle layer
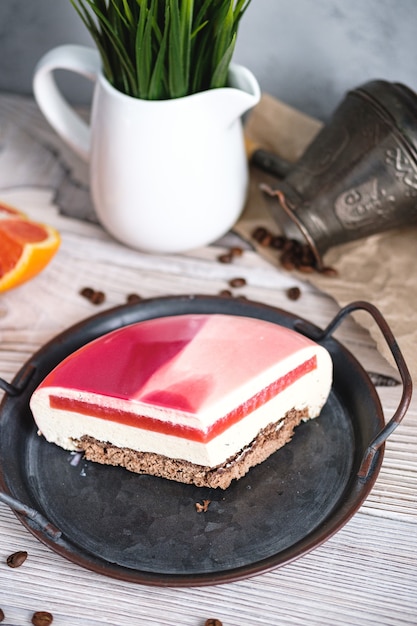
x=129 y=418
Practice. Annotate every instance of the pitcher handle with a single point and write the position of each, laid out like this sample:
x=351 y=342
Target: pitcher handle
x=59 y=113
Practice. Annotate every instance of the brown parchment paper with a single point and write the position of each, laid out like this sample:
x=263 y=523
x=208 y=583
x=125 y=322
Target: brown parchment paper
x=380 y=269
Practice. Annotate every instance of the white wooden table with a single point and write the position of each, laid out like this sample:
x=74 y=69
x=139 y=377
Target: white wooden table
x=365 y=574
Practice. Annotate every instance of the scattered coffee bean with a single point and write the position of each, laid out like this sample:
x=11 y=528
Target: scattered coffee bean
x=133 y=298
x=2 y=615
x=98 y=297
x=226 y=293
x=232 y=253
x=17 y=558
x=292 y=245
x=295 y=255
x=307 y=256
x=293 y=293
x=95 y=297
x=287 y=262
x=266 y=240
x=259 y=233
x=42 y=618
x=227 y=257
x=278 y=242
x=87 y=292
x=237 y=282
x=236 y=251
x=213 y=622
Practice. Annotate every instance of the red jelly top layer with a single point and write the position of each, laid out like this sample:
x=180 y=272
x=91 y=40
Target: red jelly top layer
x=184 y=363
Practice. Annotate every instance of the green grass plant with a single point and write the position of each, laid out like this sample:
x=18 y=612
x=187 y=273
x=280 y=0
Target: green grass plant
x=161 y=49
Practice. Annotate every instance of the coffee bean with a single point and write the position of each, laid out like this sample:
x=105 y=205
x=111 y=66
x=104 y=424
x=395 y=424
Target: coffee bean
x=232 y=253
x=2 y=615
x=225 y=293
x=98 y=297
x=289 y=245
x=87 y=292
x=266 y=240
x=293 y=293
x=227 y=257
x=287 y=261
x=278 y=242
x=133 y=298
x=236 y=251
x=17 y=558
x=213 y=622
x=295 y=255
x=95 y=297
x=305 y=260
x=42 y=618
x=307 y=256
x=259 y=233
x=237 y=282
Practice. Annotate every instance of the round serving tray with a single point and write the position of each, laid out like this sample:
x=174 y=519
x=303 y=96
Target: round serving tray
x=148 y=530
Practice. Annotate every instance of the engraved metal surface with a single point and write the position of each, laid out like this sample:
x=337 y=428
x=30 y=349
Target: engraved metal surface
x=359 y=175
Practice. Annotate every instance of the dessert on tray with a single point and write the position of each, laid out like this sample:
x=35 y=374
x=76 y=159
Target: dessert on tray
x=195 y=398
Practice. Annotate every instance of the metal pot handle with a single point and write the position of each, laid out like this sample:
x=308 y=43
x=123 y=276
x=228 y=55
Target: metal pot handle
x=404 y=403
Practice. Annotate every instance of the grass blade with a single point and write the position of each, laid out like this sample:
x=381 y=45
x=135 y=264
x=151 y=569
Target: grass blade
x=163 y=48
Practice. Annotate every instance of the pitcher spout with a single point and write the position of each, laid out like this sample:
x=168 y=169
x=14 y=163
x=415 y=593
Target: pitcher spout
x=241 y=94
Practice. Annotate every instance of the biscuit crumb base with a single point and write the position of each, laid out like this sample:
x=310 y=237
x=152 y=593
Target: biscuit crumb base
x=268 y=441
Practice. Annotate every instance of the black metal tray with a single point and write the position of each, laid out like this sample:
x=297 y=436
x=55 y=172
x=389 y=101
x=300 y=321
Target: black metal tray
x=148 y=530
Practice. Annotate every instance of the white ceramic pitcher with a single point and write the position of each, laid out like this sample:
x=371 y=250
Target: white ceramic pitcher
x=166 y=175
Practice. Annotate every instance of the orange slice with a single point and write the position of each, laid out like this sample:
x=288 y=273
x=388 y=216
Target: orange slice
x=7 y=211
x=26 y=247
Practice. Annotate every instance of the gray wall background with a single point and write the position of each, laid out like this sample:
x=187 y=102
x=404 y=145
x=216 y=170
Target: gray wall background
x=307 y=53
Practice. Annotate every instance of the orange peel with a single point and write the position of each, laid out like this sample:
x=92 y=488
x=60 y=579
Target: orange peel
x=26 y=247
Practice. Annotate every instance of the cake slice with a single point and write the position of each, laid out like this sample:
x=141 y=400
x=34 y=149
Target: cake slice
x=194 y=398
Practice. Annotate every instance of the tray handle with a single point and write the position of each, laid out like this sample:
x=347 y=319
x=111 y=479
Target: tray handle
x=8 y=388
x=405 y=400
x=21 y=381
x=32 y=514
